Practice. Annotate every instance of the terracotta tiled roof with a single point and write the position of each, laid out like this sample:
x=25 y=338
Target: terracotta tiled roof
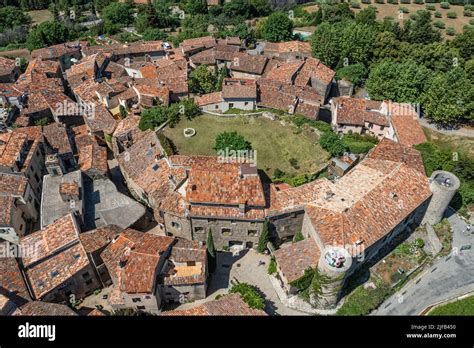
x=14 y=185
x=7 y=204
x=198 y=43
x=6 y=66
x=9 y=90
x=12 y=284
x=313 y=68
x=249 y=64
x=49 y=240
x=355 y=111
x=231 y=304
x=295 y=258
x=392 y=151
x=57 y=137
x=136 y=260
x=207 y=99
x=56 y=51
x=239 y=88
x=289 y=46
x=408 y=130
x=40 y=308
x=212 y=182
x=93 y=157
x=184 y=251
x=69 y=188
x=54 y=271
x=285 y=71
x=368 y=202
x=99 y=238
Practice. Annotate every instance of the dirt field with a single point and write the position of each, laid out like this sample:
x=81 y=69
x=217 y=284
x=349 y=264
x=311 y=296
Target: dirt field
x=16 y=53
x=384 y=10
x=40 y=16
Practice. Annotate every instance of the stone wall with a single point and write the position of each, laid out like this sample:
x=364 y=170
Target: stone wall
x=246 y=232
x=285 y=226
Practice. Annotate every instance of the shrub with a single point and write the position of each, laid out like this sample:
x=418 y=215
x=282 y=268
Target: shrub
x=469 y=7
x=355 y=4
x=467 y=13
x=471 y=21
x=264 y=238
x=272 y=266
x=380 y=1
x=167 y=145
x=450 y=31
x=231 y=141
x=393 y=2
x=331 y=142
x=249 y=295
x=366 y=2
x=298 y=237
x=452 y=15
x=405 y=1
x=444 y=5
x=419 y=2
x=431 y=7
x=403 y=10
x=439 y=24
x=438 y=14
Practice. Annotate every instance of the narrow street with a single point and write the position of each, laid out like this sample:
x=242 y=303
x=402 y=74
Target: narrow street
x=450 y=277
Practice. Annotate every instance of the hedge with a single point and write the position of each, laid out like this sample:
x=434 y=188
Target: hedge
x=452 y=15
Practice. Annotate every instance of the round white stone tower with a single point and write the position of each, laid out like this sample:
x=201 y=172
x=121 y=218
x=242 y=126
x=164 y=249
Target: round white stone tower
x=332 y=267
x=444 y=186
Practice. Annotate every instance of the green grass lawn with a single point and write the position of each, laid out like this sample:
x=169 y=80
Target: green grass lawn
x=275 y=143
x=461 y=307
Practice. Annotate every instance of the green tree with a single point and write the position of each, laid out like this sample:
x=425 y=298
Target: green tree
x=357 y=42
x=47 y=34
x=326 y=43
x=153 y=117
x=354 y=73
x=264 y=238
x=421 y=30
x=331 y=142
x=366 y=16
x=202 y=80
x=194 y=7
x=152 y=34
x=333 y=13
x=465 y=42
x=231 y=141
x=119 y=13
x=188 y=108
x=11 y=17
x=249 y=295
x=386 y=45
x=211 y=252
x=277 y=27
x=449 y=97
x=437 y=56
x=400 y=82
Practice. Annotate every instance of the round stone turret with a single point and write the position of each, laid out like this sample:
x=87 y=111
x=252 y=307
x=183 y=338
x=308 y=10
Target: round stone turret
x=444 y=186
x=332 y=268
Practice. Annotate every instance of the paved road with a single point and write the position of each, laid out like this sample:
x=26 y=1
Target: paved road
x=448 y=278
x=462 y=132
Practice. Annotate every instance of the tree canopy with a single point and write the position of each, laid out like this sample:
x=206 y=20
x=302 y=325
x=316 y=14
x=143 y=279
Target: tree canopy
x=277 y=27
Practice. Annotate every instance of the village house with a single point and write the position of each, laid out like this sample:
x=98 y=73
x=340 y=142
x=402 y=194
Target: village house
x=66 y=53
x=9 y=70
x=286 y=50
x=134 y=261
x=236 y=93
x=22 y=154
x=59 y=269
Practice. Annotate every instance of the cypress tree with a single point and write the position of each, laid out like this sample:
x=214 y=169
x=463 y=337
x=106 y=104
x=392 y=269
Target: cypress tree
x=262 y=242
x=211 y=252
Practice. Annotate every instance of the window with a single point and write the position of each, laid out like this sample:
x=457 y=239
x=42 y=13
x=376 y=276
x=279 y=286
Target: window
x=85 y=275
x=226 y=231
x=141 y=308
x=199 y=229
x=246 y=103
x=252 y=233
x=191 y=263
x=381 y=128
x=175 y=225
x=371 y=125
x=217 y=106
x=231 y=105
x=89 y=282
x=136 y=299
x=168 y=293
